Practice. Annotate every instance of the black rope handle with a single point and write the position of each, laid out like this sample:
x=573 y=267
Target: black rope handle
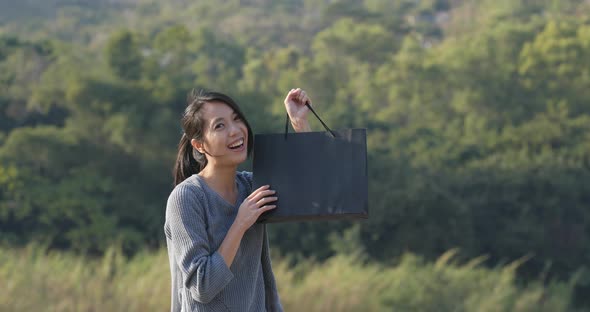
x=316 y=115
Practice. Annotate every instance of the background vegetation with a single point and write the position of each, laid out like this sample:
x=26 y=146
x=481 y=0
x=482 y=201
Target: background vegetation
x=65 y=282
x=477 y=115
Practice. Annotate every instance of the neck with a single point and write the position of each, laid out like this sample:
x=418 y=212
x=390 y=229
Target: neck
x=221 y=179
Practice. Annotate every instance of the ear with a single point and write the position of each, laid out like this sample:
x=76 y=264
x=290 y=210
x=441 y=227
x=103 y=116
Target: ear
x=198 y=145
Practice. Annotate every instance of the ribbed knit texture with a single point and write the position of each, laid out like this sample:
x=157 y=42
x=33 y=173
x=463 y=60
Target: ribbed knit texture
x=197 y=220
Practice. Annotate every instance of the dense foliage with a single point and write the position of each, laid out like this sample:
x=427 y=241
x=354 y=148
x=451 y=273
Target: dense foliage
x=477 y=112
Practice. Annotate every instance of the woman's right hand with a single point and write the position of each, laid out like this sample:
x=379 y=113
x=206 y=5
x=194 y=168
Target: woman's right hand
x=255 y=205
x=250 y=209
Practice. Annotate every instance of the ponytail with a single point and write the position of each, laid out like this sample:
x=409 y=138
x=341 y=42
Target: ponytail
x=186 y=163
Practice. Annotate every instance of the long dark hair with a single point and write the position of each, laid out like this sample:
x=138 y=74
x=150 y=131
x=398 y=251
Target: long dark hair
x=190 y=161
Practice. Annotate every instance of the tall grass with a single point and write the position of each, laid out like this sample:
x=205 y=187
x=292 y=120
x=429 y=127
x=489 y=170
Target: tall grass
x=32 y=279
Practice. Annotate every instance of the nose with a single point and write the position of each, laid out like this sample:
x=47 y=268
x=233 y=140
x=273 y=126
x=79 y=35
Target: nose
x=234 y=129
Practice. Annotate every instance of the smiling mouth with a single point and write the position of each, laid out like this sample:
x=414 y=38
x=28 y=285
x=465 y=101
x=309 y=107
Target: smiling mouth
x=237 y=144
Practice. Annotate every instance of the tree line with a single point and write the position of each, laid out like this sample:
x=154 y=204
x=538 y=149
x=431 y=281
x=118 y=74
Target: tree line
x=477 y=116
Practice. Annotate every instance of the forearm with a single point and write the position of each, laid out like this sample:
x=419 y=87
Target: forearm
x=301 y=125
x=231 y=243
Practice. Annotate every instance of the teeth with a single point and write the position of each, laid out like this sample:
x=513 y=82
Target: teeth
x=240 y=142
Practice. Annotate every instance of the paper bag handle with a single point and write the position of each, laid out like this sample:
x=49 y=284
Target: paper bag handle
x=316 y=115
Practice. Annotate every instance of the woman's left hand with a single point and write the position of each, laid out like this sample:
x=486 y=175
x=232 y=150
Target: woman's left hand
x=295 y=105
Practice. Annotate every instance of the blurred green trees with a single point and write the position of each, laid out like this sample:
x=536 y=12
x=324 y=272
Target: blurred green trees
x=478 y=119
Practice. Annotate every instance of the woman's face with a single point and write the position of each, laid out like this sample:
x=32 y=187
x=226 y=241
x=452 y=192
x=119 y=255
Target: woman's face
x=225 y=135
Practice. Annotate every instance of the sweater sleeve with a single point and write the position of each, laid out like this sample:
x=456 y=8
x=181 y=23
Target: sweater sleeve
x=204 y=272
x=273 y=303
x=248 y=177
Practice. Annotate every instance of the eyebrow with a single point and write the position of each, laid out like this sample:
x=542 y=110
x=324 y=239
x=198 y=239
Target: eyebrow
x=214 y=121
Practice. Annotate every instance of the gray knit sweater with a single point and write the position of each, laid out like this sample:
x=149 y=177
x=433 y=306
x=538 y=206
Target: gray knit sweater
x=197 y=220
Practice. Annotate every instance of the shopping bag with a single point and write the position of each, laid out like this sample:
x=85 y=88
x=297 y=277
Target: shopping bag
x=316 y=175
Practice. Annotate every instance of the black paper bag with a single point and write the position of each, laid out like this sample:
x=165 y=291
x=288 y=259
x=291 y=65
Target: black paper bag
x=317 y=175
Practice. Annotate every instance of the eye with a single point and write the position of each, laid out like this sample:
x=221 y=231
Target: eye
x=237 y=118
x=218 y=126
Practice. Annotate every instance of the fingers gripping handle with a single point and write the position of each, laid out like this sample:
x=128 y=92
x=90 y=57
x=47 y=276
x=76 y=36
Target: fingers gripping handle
x=316 y=115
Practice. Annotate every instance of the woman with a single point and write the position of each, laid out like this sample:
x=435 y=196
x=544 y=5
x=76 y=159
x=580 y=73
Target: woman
x=219 y=257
